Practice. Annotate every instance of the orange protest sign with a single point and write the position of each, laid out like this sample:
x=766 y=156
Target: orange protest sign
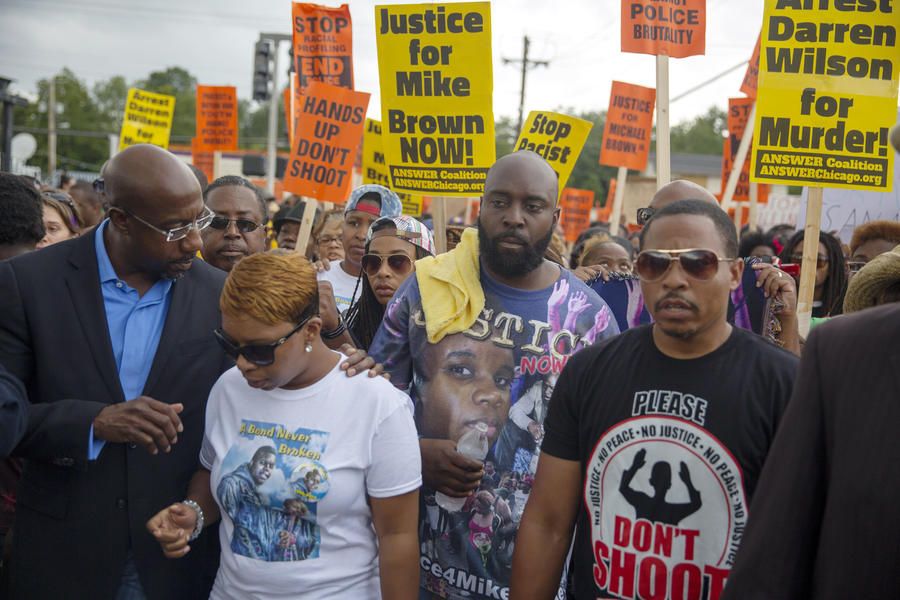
x=604 y=212
x=629 y=120
x=328 y=128
x=202 y=159
x=288 y=118
x=217 y=118
x=323 y=44
x=748 y=86
x=676 y=29
x=738 y=112
x=576 y=211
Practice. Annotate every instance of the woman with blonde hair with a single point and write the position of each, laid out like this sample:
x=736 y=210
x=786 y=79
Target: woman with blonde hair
x=314 y=475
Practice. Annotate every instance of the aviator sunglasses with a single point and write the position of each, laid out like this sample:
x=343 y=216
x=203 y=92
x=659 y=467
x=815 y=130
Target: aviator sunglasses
x=398 y=263
x=261 y=355
x=652 y=265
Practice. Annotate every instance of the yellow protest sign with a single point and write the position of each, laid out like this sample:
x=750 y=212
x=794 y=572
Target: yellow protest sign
x=147 y=120
x=827 y=94
x=558 y=138
x=374 y=167
x=434 y=62
x=412 y=205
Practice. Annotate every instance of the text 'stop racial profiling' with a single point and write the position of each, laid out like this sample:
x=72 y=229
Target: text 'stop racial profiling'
x=827 y=93
x=323 y=44
x=436 y=88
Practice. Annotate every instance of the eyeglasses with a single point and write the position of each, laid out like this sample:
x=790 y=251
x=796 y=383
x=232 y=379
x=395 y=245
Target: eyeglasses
x=398 y=263
x=329 y=239
x=855 y=266
x=652 y=265
x=178 y=233
x=261 y=355
x=821 y=261
x=644 y=214
x=243 y=225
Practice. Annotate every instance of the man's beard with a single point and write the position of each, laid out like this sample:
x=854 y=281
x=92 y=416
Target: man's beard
x=512 y=263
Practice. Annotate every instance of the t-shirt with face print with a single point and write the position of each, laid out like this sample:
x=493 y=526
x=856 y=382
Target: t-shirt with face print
x=497 y=374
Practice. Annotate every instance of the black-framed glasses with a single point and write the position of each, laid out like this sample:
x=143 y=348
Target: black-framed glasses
x=243 y=225
x=644 y=214
x=261 y=355
x=398 y=263
x=699 y=263
x=177 y=233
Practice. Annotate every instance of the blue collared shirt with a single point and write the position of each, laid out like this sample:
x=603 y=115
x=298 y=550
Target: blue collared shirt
x=135 y=325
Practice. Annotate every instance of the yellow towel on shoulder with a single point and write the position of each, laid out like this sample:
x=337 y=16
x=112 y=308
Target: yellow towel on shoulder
x=450 y=287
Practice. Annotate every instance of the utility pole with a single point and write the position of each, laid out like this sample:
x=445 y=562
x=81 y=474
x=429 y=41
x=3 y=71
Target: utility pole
x=8 y=101
x=273 y=96
x=526 y=64
x=51 y=129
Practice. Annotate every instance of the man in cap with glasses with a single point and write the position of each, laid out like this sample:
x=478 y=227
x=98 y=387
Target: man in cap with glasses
x=238 y=228
x=111 y=334
x=655 y=440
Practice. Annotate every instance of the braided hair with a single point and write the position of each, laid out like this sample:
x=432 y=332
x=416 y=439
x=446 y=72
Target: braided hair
x=365 y=314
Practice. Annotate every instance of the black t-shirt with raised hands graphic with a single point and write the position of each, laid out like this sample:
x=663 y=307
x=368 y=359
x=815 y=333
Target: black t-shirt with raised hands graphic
x=670 y=451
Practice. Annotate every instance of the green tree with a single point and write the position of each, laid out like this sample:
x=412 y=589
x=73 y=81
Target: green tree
x=177 y=82
x=701 y=135
x=76 y=111
x=110 y=96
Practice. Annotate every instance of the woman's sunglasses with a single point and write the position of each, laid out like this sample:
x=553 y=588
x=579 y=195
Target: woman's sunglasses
x=261 y=355
x=652 y=265
x=398 y=263
x=243 y=225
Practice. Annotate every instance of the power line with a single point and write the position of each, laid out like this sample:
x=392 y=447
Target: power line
x=709 y=81
x=526 y=64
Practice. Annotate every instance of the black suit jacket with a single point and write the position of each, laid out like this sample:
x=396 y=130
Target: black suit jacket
x=77 y=519
x=825 y=522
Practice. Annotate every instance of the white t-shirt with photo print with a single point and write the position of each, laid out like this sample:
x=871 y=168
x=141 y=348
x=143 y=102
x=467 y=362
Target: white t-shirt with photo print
x=291 y=471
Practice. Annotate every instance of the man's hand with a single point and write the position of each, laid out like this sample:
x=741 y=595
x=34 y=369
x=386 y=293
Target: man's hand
x=684 y=474
x=640 y=459
x=448 y=471
x=775 y=283
x=536 y=431
x=172 y=527
x=358 y=360
x=150 y=423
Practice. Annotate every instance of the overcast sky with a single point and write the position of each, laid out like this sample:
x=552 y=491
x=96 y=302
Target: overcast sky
x=213 y=39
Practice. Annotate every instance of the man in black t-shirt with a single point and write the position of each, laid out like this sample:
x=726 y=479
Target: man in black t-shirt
x=654 y=439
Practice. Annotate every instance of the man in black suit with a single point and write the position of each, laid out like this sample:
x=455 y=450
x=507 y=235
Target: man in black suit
x=825 y=522
x=111 y=333
x=12 y=414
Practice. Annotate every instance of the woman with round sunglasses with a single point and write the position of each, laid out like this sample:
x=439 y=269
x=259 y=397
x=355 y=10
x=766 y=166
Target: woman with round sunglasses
x=313 y=504
x=393 y=246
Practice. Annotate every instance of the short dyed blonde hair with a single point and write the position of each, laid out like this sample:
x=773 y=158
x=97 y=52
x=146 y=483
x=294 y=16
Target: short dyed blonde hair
x=271 y=287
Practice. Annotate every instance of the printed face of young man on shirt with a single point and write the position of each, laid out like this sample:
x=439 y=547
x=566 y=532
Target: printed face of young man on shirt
x=466 y=382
